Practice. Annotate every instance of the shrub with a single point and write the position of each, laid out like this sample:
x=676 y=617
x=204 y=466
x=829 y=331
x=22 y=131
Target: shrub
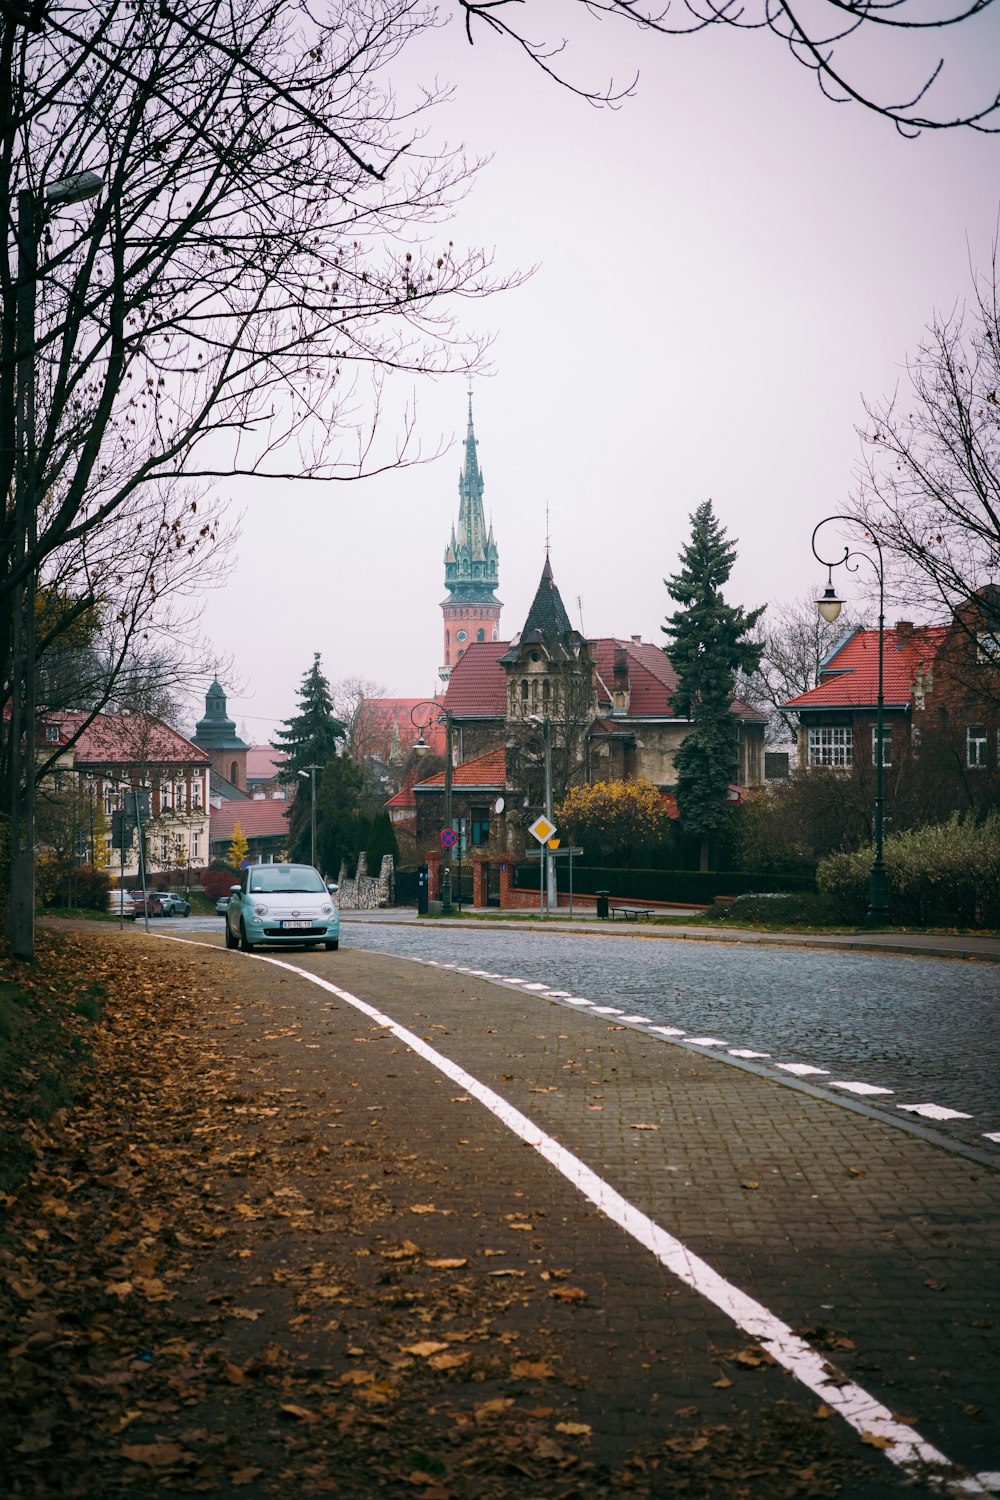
x=947 y=875
x=216 y=882
x=803 y=909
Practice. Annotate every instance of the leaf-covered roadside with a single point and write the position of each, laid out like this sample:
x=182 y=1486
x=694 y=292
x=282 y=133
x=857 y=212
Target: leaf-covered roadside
x=216 y=1278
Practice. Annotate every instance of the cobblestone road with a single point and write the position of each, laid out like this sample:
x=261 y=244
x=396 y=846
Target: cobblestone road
x=924 y=1029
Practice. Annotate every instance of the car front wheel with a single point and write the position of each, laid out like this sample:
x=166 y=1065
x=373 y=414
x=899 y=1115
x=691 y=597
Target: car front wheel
x=231 y=942
x=245 y=943
x=333 y=945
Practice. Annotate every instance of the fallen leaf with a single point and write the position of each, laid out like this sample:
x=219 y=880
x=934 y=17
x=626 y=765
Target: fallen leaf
x=574 y=1429
x=449 y=1361
x=155 y=1455
x=749 y=1184
x=644 y=1127
x=528 y=1369
x=423 y=1208
x=422 y=1350
x=448 y=1265
x=568 y=1294
x=299 y=1413
x=823 y=1411
x=875 y=1441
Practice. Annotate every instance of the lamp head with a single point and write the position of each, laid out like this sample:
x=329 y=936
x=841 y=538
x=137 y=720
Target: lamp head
x=421 y=746
x=829 y=605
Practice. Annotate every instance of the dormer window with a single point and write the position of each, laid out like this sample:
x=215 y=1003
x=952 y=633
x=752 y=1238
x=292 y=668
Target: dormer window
x=988 y=646
x=52 y=733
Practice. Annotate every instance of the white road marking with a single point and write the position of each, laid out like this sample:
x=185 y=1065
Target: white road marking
x=904 y=1445
x=637 y=1020
x=667 y=1030
x=746 y=1052
x=607 y=1010
x=934 y=1111
x=705 y=1041
x=993 y=1135
x=802 y=1070
x=859 y=1088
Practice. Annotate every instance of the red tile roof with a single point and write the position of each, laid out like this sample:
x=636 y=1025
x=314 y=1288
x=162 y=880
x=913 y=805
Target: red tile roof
x=486 y=770
x=263 y=818
x=849 y=676
x=264 y=762
x=128 y=739
x=478 y=685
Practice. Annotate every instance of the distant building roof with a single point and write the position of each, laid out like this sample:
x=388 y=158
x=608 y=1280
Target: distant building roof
x=486 y=771
x=849 y=675
x=258 y=818
x=128 y=739
x=216 y=731
x=264 y=762
x=478 y=684
x=387 y=727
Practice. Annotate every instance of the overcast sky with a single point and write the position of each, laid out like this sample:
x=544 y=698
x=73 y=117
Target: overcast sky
x=725 y=265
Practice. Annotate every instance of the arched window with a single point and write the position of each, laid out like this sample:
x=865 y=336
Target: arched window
x=545 y=692
x=234 y=772
x=524 y=689
x=480 y=635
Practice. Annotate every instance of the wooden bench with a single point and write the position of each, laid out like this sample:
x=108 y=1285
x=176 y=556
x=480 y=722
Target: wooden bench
x=630 y=913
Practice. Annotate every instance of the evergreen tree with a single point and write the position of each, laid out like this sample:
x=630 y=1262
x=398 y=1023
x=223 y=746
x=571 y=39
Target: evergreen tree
x=707 y=646
x=380 y=839
x=308 y=738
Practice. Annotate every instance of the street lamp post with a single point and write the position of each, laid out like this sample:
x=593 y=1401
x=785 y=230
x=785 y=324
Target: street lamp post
x=421 y=748
x=829 y=607
x=309 y=772
x=31 y=215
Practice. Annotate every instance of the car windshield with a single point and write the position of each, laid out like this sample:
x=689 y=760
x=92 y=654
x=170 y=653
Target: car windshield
x=278 y=878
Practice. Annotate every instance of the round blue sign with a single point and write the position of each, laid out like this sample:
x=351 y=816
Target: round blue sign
x=449 y=838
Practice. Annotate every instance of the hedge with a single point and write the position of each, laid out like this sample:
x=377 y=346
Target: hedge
x=689 y=887
x=943 y=876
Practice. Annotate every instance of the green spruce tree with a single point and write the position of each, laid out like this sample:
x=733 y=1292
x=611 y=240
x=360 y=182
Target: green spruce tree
x=707 y=645
x=310 y=739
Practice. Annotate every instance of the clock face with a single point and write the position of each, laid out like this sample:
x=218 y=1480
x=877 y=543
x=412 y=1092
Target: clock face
x=462 y=635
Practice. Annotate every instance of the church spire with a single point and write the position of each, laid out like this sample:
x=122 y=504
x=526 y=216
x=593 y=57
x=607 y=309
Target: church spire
x=471 y=564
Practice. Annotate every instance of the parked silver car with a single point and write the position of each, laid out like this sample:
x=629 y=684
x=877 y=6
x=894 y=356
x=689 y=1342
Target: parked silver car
x=282 y=904
x=120 y=904
x=173 y=904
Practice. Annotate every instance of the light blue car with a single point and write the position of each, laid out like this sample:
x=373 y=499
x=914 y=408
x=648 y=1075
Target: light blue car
x=282 y=904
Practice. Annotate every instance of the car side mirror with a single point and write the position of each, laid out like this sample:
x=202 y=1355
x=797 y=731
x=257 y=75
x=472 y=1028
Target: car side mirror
x=333 y=887
x=234 y=890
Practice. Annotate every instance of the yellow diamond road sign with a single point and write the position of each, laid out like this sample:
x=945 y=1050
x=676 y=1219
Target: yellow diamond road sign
x=542 y=829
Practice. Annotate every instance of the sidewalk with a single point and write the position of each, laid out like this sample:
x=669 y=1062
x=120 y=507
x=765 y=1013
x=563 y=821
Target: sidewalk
x=346 y=1277
x=957 y=945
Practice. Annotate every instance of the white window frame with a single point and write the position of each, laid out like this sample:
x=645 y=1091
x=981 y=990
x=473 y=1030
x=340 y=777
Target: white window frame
x=831 y=745
x=975 y=747
x=196 y=844
x=52 y=734
x=886 y=745
x=164 y=848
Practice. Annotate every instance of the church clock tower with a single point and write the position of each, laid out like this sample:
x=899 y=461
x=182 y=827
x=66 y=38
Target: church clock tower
x=471 y=609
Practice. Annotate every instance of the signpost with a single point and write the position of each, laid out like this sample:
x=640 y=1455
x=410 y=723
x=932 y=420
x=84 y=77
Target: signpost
x=542 y=829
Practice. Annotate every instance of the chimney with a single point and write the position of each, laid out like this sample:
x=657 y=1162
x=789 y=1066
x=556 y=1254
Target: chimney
x=620 y=692
x=637 y=640
x=904 y=632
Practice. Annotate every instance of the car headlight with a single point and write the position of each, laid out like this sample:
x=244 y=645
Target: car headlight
x=260 y=911
x=327 y=910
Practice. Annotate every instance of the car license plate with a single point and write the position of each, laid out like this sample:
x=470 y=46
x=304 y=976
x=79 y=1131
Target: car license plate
x=296 y=924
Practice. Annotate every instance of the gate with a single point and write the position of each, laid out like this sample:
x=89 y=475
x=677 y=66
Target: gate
x=405 y=892
x=492 y=885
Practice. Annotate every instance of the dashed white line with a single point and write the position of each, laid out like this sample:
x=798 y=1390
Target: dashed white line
x=705 y=1041
x=934 y=1112
x=746 y=1052
x=859 y=1088
x=803 y=1070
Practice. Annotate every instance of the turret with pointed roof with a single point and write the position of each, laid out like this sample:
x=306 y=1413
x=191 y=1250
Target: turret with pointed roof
x=216 y=733
x=471 y=609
